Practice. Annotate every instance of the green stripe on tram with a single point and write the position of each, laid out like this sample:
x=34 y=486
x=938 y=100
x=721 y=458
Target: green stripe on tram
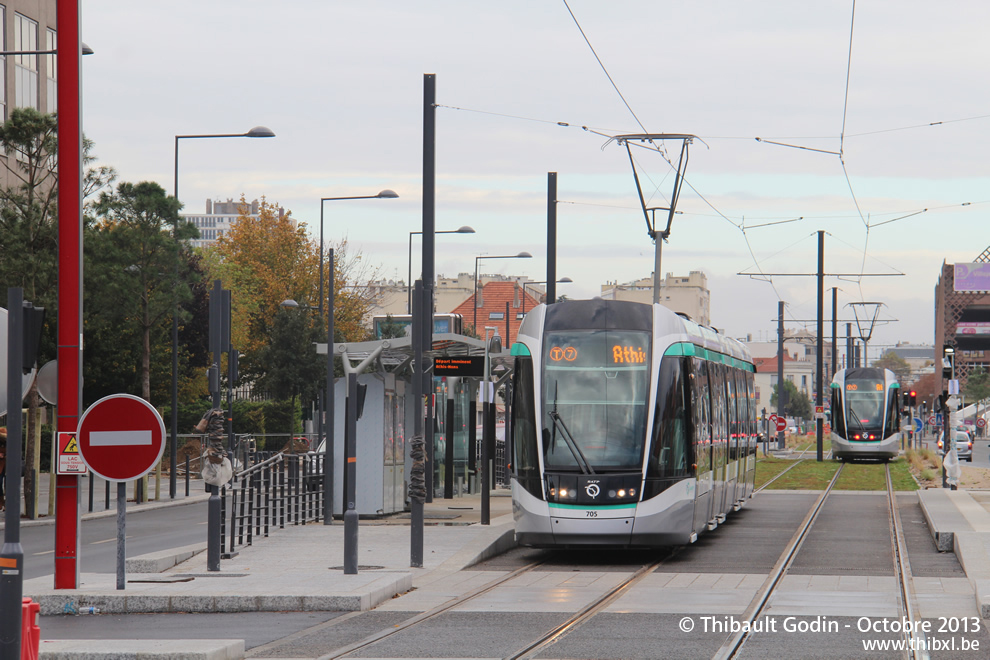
x=520 y=348
x=598 y=507
x=687 y=349
x=681 y=349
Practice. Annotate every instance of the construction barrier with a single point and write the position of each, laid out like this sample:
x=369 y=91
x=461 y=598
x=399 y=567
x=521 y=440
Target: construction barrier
x=30 y=632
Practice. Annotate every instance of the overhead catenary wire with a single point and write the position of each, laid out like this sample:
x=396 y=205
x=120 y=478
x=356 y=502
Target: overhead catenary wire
x=773 y=140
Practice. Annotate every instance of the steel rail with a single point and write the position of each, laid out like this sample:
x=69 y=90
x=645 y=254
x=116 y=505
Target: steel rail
x=345 y=651
x=593 y=608
x=735 y=641
x=916 y=639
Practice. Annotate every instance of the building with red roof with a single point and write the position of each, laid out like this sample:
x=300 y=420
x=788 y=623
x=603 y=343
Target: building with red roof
x=499 y=304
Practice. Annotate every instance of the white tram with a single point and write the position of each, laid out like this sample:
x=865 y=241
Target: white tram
x=631 y=426
x=865 y=414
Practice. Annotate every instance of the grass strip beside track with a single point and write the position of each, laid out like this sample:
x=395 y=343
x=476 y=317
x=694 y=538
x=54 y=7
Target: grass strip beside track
x=811 y=475
x=769 y=467
x=900 y=476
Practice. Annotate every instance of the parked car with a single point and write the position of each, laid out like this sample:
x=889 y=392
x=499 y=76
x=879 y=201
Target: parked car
x=964 y=445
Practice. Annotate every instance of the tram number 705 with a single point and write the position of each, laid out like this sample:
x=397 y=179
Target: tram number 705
x=591 y=514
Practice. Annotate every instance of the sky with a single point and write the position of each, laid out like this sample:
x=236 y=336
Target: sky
x=867 y=121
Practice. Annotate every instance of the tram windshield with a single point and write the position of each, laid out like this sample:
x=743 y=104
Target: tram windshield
x=595 y=389
x=864 y=403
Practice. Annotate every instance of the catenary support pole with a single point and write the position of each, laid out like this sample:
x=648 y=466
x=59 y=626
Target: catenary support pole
x=331 y=400
x=417 y=476
x=350 y=475
x=12 y=553
x=448 y=432
x=551 y=239
x=213 y=521
x=429 y=243
x=819 y=365
x=781 y=391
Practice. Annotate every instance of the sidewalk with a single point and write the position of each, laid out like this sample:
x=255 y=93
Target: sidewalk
x=196 y=494
x=298 y=568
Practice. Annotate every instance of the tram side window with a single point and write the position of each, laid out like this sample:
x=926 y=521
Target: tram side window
x=735 y=419
x=753 y=424
x=716 y=381
x=670 y=451
x=838 y=413
x=523 y=429
x=700 y=404
x=893 y=424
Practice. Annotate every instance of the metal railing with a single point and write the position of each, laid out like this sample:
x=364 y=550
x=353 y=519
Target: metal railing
x=274 y=490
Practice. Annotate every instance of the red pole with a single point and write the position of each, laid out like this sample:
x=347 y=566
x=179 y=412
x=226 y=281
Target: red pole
x=68 y=45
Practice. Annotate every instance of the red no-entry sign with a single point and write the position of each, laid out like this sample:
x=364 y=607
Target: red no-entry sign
x=121 y=437
x=781 y=423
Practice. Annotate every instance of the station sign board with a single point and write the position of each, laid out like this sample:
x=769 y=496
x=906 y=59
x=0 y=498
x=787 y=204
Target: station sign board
x=465 y=366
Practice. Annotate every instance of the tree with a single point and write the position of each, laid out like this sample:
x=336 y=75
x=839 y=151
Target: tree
x=29 y=231
x=292 y=365
x=977 y=385
x=894 y=362
x=928 y=387
x=796 y=403
x=29 y=236
x=135 y=264
x=267 y=259
x=391 y=329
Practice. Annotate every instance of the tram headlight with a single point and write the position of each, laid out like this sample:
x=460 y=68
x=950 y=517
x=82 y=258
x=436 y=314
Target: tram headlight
x=563 y=492
x=632 y=492
x=622 y=493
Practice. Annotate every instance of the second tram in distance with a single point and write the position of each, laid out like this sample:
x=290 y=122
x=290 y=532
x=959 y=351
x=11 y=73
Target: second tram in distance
x=631 y=426
x=866 y=420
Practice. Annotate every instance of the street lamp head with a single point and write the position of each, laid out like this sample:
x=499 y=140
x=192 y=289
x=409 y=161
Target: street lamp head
x=524 y=255
x=86 y=50
x=260 y=132
x=464 y=230
x=290 y=303
x=564 y=280
x=387 y=194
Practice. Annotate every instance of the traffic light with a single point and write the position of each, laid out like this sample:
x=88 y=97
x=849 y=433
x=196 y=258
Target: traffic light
x=912 y=398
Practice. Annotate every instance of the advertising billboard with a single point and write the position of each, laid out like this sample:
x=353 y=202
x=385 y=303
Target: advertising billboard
x=971 y=277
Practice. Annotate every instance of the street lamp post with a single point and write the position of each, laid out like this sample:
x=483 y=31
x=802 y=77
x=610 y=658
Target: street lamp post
x=324 y=430
x=462 y=230
x=563 y=280
x=256 y=132
x=521 y=255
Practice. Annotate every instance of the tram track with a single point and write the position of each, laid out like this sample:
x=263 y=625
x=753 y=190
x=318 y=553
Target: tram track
x=734 y=642
x=531 y=648
x=902 y=567
x=345 y=651
x=915 y=637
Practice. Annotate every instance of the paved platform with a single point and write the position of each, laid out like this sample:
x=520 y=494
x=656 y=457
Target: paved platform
x=301 y=569
x=959 y=521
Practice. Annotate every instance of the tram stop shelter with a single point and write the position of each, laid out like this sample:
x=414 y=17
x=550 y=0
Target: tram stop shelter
x=386 y=425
